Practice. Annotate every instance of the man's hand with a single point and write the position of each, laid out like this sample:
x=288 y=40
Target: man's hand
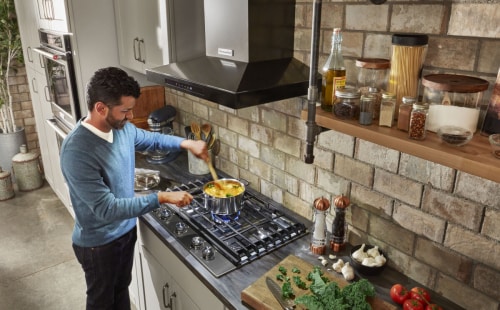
x=179 y=199
x=197 y=147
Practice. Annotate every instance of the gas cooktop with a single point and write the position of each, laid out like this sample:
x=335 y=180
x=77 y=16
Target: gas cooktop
x=223 y=245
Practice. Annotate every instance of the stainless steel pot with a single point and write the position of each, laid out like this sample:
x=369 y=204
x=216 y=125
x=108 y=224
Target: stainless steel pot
x=226 y=206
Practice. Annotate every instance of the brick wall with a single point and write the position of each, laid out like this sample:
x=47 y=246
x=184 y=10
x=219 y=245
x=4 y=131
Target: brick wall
x=438 y=225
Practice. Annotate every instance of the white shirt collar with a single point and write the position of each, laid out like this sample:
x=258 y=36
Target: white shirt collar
x=107 y=136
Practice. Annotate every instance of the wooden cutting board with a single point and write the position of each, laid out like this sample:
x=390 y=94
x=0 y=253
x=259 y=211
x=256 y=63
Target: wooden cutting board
x=151 y=99
x=258 y=296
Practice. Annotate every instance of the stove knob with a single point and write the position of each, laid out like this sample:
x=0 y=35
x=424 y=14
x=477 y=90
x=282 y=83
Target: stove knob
x=165 y=213
x=180 y=228
x=197 y=242
x=208 y=253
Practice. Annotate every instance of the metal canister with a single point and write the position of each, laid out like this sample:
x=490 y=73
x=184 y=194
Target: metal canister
x=27 y=170
x=6 y=188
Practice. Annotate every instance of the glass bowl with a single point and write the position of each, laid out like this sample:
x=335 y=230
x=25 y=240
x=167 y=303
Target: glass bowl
x=495 y=144
x=455 y=136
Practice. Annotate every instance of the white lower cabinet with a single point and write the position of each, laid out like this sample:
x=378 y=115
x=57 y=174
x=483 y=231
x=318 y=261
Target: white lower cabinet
x=168 y=283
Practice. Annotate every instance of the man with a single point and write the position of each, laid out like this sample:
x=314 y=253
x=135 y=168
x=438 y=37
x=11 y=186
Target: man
x=98 y=163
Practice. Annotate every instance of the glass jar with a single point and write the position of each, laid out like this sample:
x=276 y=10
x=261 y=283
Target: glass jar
x=491 y=123
x=408 y=55
x=404 y=112
x=346 y=105
x=454 y=100
x=377 y=92
x=387 y=107
x=418 y=120
x=372 y=73
x=366 y=106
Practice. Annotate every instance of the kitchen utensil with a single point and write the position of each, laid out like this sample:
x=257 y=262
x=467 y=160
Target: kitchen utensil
x=212 y=171
x=206 y=131
x=195 y=129
x=216 y=147
x=286 y=304
x=210 y=143
x=225 y=207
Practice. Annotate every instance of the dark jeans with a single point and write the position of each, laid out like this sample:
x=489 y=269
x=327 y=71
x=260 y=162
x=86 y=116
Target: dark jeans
x=108 y=272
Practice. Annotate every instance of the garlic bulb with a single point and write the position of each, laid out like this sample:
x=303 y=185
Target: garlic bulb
x=347 y=272
x=369 y=261
x=338 y=265
x=380 y=260
x=373 y=252
x=360 y=254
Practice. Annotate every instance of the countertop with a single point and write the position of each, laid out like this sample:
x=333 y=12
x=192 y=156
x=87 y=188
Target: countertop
x=229 y=287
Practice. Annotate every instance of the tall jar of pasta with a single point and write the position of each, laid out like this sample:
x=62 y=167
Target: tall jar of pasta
x=408 y=55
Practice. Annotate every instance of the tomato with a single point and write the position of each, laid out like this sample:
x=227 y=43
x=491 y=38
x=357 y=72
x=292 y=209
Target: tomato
x=412 y=304
x=433 y=307
x=399 y=293
x=420 y=294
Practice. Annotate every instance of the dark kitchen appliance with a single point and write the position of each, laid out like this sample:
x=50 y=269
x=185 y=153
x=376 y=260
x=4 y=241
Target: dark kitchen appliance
x=57 y=53
x=248 y=56
x=160 y=121
x=224 y=245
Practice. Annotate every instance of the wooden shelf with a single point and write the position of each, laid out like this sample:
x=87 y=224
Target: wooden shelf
x=474 y=158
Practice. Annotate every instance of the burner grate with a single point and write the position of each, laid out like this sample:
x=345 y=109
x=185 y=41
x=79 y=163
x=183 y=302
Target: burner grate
x=259 y=229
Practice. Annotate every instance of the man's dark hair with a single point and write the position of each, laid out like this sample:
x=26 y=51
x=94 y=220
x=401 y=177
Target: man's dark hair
x=108 y=85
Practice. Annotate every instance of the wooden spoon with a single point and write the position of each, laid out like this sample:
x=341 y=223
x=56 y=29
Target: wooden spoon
x=195 y=128
x=214 y=174
x=206 y=129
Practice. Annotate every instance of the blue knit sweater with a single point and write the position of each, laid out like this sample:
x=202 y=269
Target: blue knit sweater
x=100 y=177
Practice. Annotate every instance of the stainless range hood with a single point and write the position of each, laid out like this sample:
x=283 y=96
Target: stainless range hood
x=248 y=56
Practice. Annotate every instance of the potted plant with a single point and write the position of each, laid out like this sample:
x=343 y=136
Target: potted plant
x=11 y=136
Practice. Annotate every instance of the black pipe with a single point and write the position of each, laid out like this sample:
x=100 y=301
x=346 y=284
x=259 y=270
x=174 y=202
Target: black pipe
x=312 y=94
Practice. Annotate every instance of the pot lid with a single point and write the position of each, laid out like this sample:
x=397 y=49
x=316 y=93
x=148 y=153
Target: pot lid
x=455 y=83
x=24 y=155
x=373 y=63
x=4 y=174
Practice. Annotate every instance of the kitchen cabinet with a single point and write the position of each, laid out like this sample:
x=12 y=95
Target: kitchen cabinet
x=142 y=33
x=164 y=293
x=164 y=274
x=28 y=27
x=52 y=14
x=152 y=33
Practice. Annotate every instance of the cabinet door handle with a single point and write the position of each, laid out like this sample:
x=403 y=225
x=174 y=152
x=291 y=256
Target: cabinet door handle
x=46 y=91
x=29 y=54
x=34 y=85
x=173 y=296
x=141 y=43
x=136 y=40
x=165 y=294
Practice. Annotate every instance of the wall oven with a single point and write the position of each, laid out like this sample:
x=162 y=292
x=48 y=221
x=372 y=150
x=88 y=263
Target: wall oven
x=57 y=54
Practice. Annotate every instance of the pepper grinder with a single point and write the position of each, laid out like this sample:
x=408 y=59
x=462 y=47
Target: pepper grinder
x=318 y=239
x=339 y=226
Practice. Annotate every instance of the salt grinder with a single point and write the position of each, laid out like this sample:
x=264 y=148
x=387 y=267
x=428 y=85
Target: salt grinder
x=318 y=239
x=339 y=226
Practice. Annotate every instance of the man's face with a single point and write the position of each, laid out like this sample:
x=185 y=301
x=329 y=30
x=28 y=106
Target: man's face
x=118 y=115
